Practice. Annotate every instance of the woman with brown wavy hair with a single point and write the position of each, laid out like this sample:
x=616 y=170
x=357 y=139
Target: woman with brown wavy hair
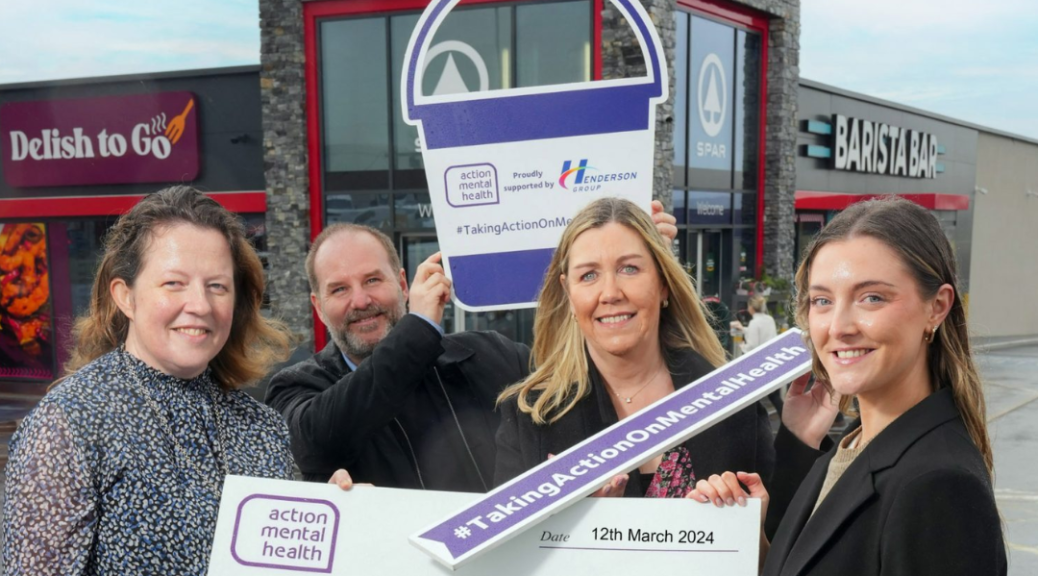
x=908 y=488
x=119 y=469
x=619 y=326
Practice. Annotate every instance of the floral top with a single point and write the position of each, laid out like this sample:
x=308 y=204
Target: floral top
x=96 y=485
x=674 y=477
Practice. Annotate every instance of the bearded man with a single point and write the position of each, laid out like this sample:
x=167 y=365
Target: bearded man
x=392 y=399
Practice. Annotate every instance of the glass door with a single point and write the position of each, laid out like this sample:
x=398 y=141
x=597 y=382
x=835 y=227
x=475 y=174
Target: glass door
x=709 y=263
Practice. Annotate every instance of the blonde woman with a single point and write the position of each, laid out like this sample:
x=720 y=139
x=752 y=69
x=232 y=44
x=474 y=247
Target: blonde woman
x=618 y=327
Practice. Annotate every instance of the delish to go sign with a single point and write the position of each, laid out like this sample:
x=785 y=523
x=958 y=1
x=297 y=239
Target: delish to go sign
x=113 y=140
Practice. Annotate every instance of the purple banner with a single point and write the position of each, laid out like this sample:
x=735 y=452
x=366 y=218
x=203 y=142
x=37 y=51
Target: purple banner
x=91 y=141
x=587 y=466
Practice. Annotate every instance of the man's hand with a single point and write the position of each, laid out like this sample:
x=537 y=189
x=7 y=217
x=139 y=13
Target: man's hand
x=341 y=478
x=665 y=223
x=430 y=289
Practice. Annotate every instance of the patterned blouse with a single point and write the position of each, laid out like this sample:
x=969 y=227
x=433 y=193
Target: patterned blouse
x=96 y=485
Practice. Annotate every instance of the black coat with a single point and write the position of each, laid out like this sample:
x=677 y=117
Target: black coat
x=418 y=413
x=917 y=500
x=742 y=441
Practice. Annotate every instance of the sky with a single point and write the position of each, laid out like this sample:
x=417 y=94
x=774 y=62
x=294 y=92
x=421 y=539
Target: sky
x=971 y=60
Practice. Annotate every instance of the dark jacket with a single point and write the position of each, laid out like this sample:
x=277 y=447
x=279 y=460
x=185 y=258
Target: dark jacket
x=918 y=500
x=418 y=413
x=742 y=441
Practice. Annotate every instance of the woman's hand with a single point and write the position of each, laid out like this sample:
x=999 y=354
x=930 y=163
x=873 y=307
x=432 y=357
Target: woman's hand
x=342 y=479
x=614 y=489
x=665 y=223
x=725 y=489
x=809 y=414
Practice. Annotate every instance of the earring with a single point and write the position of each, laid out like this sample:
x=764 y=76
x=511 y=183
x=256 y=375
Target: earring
x=930 y=335
x=666 y=302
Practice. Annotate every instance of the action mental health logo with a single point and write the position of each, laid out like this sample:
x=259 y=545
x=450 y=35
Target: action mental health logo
x=585 y=182
x=286 y=533
x=125 y=139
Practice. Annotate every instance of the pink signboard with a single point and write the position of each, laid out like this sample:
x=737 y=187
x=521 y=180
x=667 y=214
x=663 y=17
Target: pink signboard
x=90 y=141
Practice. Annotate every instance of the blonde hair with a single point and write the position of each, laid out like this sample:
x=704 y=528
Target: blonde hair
x=255 y=343
x=758 y=303
x=916 y=236
x=558 y=344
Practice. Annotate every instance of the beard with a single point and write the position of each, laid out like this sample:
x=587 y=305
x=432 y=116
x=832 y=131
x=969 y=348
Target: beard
x=360 y=345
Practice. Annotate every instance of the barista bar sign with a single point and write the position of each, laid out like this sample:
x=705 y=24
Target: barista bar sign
x=878 y=148
x=90 y=141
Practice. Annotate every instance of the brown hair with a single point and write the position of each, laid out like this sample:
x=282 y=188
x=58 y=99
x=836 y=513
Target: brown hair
x=558 y=344
x=916 y=236
x=334 y=229
x=255 y=343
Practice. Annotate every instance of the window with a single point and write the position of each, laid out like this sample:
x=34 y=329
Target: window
x=371 y=160
x=717 y=123
x=366 y=145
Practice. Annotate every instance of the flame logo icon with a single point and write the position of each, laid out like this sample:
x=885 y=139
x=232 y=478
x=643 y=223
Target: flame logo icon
x=158 y=123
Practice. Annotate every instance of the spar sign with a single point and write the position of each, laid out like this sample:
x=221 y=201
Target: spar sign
x=520 y=504
x=508 y=169
x=90 y=141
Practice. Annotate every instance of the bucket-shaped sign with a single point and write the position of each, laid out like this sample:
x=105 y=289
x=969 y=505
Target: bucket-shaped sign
x=508 y=169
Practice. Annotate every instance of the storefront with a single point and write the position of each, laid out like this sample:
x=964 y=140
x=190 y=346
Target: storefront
x=853 y=147
x=78 y=153
x=363 y=162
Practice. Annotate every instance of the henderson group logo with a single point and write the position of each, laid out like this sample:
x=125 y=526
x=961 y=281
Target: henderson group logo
x=585 y=182
x=123 y=139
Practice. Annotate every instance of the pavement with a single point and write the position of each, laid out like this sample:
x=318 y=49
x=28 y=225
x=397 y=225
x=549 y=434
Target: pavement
x=1009 y=369
x=1011 y=380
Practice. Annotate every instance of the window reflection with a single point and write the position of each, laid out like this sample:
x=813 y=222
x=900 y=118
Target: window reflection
x=354 y=95
x=370 y=209
x=544 y=32
x=747 y=109
x=680 y=97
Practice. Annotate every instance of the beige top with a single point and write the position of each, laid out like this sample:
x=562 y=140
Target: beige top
x=846 y=452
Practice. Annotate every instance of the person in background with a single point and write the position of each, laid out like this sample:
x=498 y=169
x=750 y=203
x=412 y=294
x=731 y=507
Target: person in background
x=908 y=489
x=761 y=329
x=392 y=399
x=119 y=469
x=618 y=327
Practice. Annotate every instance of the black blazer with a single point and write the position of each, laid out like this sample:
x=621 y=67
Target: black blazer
x=917 y=500
x=743 y=441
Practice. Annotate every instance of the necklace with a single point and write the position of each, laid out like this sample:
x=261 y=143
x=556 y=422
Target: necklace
x=628 y=399
x=180 y=460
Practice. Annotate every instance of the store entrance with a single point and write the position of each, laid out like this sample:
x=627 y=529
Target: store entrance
x=708 y=265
